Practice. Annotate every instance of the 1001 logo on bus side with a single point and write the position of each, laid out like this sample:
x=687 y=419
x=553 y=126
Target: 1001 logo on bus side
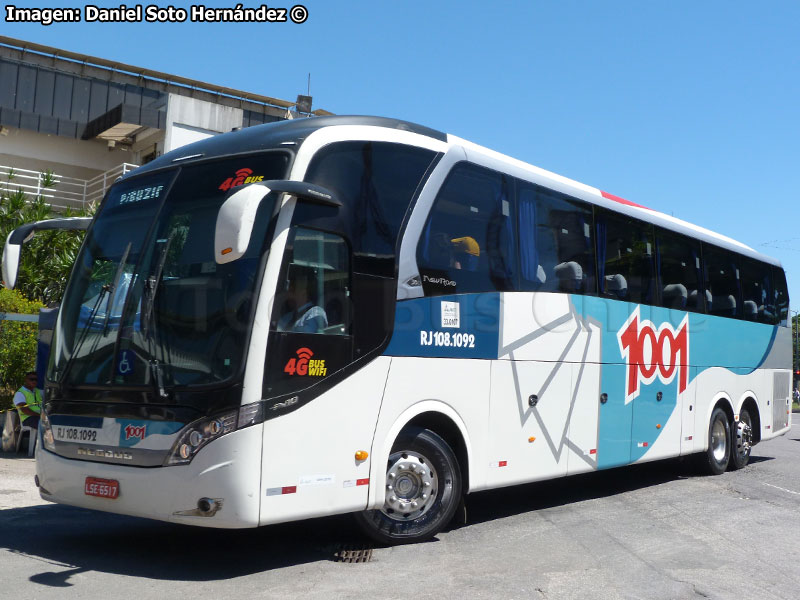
x=652 y=353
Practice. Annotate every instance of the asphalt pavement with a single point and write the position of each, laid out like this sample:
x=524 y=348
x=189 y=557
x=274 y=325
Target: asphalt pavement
x=649 y=531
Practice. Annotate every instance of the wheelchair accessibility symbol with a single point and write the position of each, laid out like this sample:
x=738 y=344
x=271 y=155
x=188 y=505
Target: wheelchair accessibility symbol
x=125 y=362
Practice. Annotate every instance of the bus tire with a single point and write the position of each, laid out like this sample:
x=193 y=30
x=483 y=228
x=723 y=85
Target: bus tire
x=741 y=440
x=714 y=461
x=423 y=490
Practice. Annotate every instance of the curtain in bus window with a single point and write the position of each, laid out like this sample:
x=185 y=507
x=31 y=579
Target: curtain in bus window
x=530 y=268
x=500 y=241
x=468 y=244
x=556 y=246
x=625 y=251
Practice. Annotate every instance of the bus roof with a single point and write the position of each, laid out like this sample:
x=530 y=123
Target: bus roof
x=291 y=133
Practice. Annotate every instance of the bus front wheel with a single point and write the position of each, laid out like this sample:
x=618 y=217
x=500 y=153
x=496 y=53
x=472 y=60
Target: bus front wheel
x=715 y=460
x=423 y=490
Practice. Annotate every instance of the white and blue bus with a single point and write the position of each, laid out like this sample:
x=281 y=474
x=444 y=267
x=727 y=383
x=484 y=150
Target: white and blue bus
x=364 y=315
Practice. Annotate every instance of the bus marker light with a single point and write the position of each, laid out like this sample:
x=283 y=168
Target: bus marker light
x=355 y=482
x=226 y=251
x=279 y=491
x=531 y=439
x=642 y=444
x=658 y=426
x=362 y=455
x=593 y=451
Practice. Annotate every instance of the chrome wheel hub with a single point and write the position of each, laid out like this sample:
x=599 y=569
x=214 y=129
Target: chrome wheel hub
x=744 y=437
x=718 y=445
x=411 y=486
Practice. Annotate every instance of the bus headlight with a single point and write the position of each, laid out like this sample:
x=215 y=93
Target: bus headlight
x=47 y=432
x=200 y=433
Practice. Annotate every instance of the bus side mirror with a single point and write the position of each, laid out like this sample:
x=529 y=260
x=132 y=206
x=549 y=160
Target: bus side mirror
x=237 y=214
x=235 y=222
x=20 y=235
x=10 y=263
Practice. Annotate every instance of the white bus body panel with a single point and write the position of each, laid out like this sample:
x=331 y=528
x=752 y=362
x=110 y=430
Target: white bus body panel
x=456 y=388
x=548 y=351
x=310 y=468
x=228 y=469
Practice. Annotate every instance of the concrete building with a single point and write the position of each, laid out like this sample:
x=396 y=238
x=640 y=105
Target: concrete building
x=89 y=120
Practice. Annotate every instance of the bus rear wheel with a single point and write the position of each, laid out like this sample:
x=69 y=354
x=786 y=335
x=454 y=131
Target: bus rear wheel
x=742 y=440
x=423 y=490
x=715 y=460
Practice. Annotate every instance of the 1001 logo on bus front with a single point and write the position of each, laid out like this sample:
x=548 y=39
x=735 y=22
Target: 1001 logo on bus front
x=651 y=353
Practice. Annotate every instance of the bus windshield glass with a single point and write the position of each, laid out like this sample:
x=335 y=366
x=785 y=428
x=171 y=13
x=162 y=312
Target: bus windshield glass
x=147 y=303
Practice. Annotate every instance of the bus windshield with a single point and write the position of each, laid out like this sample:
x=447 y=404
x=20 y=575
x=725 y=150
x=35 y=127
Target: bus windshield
x=147 y=302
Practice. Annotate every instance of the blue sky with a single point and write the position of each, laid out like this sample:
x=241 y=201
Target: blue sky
x=691 y=108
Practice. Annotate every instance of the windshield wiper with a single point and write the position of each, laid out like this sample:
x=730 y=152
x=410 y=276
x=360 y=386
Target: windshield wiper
x=71 y=360
x=111 y=290
x=113 y=296
x=149 y=321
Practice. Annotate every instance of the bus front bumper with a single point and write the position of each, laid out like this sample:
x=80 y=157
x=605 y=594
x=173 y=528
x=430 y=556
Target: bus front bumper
x=226 y=474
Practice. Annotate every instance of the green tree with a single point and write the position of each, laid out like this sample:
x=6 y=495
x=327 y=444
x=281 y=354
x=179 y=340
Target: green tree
x=18 y=347
x=47 y=259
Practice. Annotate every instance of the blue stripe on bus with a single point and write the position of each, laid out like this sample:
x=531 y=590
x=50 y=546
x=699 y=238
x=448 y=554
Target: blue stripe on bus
x=628 y=431
x=419 y=330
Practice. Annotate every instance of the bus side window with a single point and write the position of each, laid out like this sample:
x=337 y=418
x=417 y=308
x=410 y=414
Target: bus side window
x=625 y=258
x=758 y=299
x=781 y=295
x=555 y=242
x=680 y=276
x=722 y=282
x=315 y=295
x=467 y=244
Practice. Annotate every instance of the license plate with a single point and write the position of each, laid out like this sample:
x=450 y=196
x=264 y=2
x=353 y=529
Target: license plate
x=102 y=488
x=86 y=435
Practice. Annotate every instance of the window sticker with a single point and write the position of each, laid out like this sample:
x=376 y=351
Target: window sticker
x=451 y=314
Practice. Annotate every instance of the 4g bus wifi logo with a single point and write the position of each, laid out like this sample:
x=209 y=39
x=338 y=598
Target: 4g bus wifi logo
x=652 y=352
x=243 y=177
x=303 y=365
